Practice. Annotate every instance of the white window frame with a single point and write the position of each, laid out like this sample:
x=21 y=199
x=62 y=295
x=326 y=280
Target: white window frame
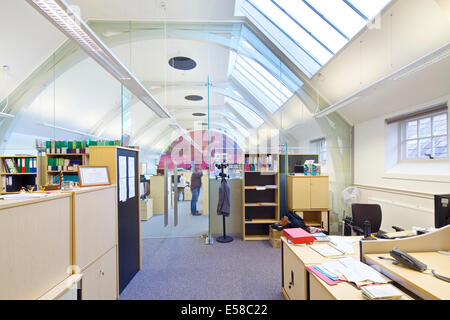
x=403 y=138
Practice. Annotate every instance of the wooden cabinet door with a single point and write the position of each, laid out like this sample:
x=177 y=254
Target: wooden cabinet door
x=294 y=275
x=319 y=192
x=99 y=280
x=301 y=193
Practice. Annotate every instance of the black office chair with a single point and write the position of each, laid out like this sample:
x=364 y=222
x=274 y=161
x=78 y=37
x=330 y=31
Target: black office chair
x=370 y=212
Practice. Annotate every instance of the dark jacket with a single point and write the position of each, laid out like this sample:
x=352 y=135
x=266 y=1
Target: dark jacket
x=223 y=207
x=196 y=180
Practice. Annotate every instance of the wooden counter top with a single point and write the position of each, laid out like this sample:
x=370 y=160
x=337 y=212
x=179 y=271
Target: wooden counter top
x=5 y=204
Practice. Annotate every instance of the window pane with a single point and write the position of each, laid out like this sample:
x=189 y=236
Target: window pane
x=310 y=20
x=340 y=15
x=303 y=39
x=440 y=125
x=245 y=112
x=440 y=147
x=411 y=130
x=411 y=149
x=425 y=128
x=424 y=148
x=370 y=8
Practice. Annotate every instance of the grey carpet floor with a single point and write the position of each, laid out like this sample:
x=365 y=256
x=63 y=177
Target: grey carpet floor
x=188 y=225
x=187 y=269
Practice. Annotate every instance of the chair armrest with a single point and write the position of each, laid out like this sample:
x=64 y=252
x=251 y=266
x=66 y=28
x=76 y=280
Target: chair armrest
x=397 y=229
x=358 y=230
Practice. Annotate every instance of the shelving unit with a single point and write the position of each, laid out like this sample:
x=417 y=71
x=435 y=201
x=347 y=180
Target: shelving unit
x=69 y=166
x=12 y=182
x=260 y=194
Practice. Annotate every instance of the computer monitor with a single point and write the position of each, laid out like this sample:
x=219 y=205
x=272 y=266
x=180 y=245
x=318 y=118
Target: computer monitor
x=299 y=168
x=441 y=210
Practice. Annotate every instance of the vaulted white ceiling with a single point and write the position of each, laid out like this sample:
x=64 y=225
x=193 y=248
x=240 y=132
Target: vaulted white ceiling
x=88 y=99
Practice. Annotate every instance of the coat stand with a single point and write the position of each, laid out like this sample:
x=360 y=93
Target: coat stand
x=224 y=238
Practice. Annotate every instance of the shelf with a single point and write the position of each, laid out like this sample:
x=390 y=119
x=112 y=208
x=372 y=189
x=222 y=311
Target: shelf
x=256 y=237
x=18 y=156
x=268 y=172
x=66 y=154
x=260 y=205
x=254 y=188
x=64 y=171
x=262 y=221
x=17 y=174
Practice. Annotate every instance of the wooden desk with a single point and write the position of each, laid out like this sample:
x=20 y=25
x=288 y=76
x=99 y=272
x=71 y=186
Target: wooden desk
x=294 y=262
x=424 y=283
x=35 y=245
x=300 y=284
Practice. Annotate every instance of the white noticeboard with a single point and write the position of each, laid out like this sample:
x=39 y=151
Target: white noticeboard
x=93 y=176
x=123 y=188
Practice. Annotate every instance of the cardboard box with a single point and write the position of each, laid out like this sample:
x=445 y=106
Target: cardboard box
x=275 y=243
x=275 y=234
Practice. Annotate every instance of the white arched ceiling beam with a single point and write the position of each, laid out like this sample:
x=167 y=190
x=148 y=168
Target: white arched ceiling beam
x=224 y=88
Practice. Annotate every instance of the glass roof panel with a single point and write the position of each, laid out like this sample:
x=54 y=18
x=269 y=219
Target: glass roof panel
x=276 y=16
x=320 y=28
x=369 y=8
x=311 y=21
x=339 y=14
x=246 y=113
x=240 y=128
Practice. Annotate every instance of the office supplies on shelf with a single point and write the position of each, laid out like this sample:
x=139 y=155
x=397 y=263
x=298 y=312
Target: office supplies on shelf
x=381 y=292
x=298 y=235
x=327 y=251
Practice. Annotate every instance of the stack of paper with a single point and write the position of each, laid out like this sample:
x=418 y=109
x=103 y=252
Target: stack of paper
x=351 y=270
x=381 y=292
x=343 y=243
x=326 y=250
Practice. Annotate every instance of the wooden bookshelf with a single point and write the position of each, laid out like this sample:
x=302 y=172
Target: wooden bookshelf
x=50 y=170
x=260 y=194
x=12 y=182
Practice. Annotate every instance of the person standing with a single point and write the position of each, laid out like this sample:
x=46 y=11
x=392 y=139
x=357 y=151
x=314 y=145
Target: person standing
x=196 y=183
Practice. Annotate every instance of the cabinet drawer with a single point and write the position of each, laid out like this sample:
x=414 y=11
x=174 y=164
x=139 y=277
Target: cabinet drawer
x=294 y=275
x=100 y=278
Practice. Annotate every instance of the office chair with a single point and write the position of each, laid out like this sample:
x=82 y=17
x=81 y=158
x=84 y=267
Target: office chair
x=370 y=212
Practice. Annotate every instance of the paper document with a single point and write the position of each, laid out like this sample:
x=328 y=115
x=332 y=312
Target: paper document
x=351 y=270
x=343 y=243
x=382 y=292
x=356 y=271
x=123 y=189
x=326 y=250
x=131 y=187
x=24 y=196
x=131 y=169
x=122 y=167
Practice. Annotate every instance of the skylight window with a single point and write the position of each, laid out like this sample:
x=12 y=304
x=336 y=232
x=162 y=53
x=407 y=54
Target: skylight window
x=240 y=128
x=320 y=28
x=246 y=113
x=253 y=76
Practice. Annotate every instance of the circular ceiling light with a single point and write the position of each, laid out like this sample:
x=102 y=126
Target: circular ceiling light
x=199 y=114
x=194 y=97
x=182 y=63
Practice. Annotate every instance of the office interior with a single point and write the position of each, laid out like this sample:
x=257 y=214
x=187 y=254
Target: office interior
x=306 y=107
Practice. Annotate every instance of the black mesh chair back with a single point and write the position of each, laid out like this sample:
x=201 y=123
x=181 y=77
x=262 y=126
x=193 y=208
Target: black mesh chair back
x=371 y=212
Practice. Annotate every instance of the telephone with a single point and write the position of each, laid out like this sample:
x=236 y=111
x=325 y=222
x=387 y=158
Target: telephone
x=405 y=259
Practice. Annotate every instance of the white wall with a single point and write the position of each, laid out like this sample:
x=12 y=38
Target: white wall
x=406 y=199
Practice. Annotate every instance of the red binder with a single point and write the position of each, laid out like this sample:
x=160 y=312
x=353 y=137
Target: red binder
x=298 y=235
